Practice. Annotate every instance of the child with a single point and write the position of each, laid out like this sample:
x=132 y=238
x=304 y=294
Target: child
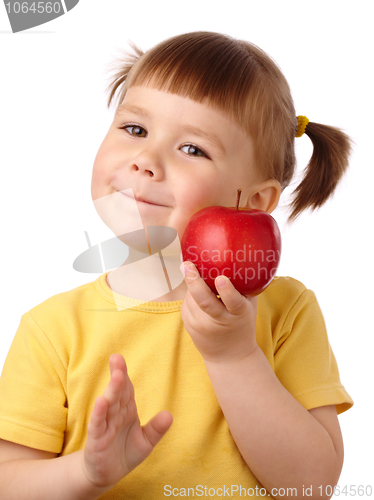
x=240 y=395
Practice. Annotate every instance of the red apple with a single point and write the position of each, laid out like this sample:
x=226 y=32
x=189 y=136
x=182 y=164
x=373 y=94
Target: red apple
x=242 y=244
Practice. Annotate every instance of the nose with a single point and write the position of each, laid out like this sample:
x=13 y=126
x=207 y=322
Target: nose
x=150 y=164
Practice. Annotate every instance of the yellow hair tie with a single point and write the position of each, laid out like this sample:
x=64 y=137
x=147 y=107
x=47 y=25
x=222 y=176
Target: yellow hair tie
x=302 y=122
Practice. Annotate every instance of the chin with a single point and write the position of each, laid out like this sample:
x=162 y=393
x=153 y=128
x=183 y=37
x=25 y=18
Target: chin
x=136 y=240
x=154 y=239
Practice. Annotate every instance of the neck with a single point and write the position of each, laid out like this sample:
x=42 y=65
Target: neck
x=152 y=278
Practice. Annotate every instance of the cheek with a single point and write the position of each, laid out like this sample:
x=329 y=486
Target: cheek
x=95 y=185
x=201 y=195
x=103 y=159
x=109 y=154
x=189 y=201
x=100 y=173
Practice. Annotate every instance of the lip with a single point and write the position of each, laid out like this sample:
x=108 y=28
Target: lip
x=143 y=200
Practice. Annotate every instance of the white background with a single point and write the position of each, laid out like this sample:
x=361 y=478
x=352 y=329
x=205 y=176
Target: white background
x=54 y=117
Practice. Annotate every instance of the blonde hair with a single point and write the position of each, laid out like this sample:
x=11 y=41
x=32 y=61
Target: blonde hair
x=240 y=79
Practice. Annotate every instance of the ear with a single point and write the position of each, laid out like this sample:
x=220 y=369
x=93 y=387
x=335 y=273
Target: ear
x=264 y=196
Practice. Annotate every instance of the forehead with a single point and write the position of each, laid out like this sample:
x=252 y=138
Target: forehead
x=149 y=93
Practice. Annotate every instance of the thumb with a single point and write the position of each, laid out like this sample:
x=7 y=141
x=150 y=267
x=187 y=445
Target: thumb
x=157 y=427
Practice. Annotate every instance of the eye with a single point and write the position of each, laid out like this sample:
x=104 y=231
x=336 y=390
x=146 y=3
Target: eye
x=135 y=130
x=192 y=150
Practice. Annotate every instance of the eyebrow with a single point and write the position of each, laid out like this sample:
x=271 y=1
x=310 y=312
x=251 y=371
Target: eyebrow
x=191 y=129
x=133 y=109
x=208 y=136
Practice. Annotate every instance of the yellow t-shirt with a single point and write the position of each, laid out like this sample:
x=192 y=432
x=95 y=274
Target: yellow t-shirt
x=58 y=364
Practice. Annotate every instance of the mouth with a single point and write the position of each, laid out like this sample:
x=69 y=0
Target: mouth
x=143 y=200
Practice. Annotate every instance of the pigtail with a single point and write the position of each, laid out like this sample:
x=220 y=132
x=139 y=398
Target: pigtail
x=329 y=161
x=122 y=67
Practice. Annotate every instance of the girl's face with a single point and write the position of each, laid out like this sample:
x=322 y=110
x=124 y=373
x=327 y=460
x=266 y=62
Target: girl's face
x=177 y=155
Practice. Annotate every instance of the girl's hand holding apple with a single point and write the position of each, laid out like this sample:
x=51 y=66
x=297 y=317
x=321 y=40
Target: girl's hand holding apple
x=222 y=330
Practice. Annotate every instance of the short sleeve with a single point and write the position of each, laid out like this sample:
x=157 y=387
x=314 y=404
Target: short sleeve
x=33 y=407
x=304 y=361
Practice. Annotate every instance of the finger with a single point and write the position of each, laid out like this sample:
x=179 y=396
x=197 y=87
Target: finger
x=122 y=396
x=253 y=302
x=97 y=424
x=234 y=301
x=112 y=392
x=157 y=427
x=126 y=388
x=117 y=361
x=200 y=292
x=127 y=393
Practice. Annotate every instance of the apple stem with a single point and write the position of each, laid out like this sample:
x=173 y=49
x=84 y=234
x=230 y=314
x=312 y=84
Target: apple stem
x=238 y=199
